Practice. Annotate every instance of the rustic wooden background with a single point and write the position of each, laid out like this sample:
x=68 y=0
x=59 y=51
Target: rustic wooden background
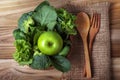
x=11 y=10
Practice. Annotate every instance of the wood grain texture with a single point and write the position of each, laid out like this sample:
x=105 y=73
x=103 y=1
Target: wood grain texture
x=6 y=41
x=116 y=68
x=10 y=70
x=10 y=12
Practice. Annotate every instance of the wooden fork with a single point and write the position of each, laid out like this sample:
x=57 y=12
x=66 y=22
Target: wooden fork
x=95 y=25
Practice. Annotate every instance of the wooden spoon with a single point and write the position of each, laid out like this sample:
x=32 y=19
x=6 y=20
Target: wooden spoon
x=83 y=25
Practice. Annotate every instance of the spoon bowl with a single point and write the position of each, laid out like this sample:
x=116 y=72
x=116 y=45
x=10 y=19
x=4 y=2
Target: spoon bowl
x=83 y=24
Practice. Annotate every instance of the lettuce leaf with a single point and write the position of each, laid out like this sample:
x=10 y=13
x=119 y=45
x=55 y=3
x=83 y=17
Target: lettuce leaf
x=23 y=54
x=65 y=22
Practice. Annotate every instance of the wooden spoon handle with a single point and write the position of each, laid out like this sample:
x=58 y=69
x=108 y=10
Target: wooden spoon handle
x=90 y=54
x=87 y=60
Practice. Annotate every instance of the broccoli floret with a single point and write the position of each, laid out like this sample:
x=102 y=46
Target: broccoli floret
x=19 y=34
x=25 y=22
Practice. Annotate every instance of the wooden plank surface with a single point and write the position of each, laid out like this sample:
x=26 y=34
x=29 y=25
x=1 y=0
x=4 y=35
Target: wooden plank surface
x=13 y=71
x=11 y=10
x=10 y=70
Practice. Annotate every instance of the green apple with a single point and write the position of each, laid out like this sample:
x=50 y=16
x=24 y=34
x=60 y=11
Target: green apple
x=50 y=43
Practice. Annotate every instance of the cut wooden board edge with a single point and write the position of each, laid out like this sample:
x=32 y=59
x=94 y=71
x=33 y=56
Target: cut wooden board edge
x=10 y=68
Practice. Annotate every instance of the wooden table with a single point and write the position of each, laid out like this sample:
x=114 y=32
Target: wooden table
x=11 y=10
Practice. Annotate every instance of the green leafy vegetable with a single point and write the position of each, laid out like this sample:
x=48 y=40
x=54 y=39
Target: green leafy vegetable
x=23 y=52
x=66 y=22
x=51 y=25
x=41 y=5
x=61 y=63
x=46 y=16
x=40 y=61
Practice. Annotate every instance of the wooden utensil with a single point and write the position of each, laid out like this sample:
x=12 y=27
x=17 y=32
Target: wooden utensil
x=95 y=25
x=83 y=25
